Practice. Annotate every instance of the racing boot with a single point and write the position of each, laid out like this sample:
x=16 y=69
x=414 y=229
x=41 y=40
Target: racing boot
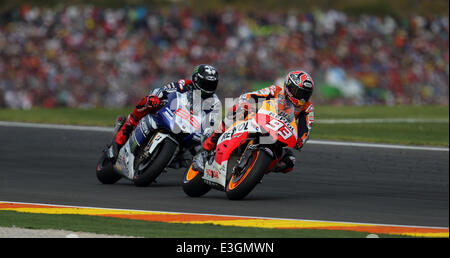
x=210 y=143
x=120 y=120
x=199 y=161
x=285 y=164
x=113 y=149
x=145 y=105
x=124 y=129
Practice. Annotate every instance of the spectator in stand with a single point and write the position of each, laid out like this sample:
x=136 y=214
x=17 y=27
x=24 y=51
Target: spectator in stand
x=84 y=56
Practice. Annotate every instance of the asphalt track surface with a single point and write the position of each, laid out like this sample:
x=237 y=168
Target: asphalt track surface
x=337 y=183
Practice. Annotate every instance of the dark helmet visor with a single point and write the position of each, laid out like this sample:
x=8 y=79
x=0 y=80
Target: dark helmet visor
x=298 y=92
x=208 y=86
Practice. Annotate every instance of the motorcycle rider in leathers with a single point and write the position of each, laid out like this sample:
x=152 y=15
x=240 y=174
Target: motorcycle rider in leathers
x=205 y=78
x=298 y=88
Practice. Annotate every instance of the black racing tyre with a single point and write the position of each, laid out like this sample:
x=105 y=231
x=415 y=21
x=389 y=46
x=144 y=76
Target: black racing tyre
x=159 y=162
x=193 y=184
x=239 y=186
x=105 y=171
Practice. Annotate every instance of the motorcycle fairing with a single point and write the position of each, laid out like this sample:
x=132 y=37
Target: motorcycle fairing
x=273 y=116
x=125 y=162
x=163 y=122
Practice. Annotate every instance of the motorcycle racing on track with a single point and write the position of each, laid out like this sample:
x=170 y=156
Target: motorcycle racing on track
x=245 y=151
x=167 y=138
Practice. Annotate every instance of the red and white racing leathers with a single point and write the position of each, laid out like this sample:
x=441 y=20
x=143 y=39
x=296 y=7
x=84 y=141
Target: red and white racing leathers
x=304 y=115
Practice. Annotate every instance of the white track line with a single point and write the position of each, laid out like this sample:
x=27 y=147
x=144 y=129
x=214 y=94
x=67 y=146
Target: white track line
x=56 y=126
x=322 y=142
x=222 y=215
x=381 y=120
x=376 y=145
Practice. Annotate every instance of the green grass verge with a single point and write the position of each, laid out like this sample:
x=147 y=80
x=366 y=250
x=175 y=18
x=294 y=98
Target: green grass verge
x=344 y=112
x=435 y=134
x=137 y=228
x=71 y=116
x=422 y=133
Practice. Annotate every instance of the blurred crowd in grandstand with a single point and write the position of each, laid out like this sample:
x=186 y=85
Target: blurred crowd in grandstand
x=83 y=56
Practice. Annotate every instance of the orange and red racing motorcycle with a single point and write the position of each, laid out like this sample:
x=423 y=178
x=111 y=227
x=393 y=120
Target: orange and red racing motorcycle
x=245 y=152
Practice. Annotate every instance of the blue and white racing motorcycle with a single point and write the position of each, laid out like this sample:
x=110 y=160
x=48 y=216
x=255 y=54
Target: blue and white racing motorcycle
x=169 y=137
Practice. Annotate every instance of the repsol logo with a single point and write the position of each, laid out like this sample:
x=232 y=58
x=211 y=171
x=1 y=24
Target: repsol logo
x=212 y=173
x=238 y=128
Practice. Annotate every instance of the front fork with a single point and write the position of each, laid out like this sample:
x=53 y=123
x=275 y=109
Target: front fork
x=274 y=151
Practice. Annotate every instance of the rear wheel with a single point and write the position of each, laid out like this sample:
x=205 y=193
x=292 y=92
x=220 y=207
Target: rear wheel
x=242 y=183
x=105 y=171
x=193 y=184
x=149 y=169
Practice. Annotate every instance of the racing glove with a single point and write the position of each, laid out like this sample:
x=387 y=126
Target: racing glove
x=299 y=144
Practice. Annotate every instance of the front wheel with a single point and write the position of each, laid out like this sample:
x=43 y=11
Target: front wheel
x=241 y=184
x=105 y=171
x=193 y=184
x=148 y=170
